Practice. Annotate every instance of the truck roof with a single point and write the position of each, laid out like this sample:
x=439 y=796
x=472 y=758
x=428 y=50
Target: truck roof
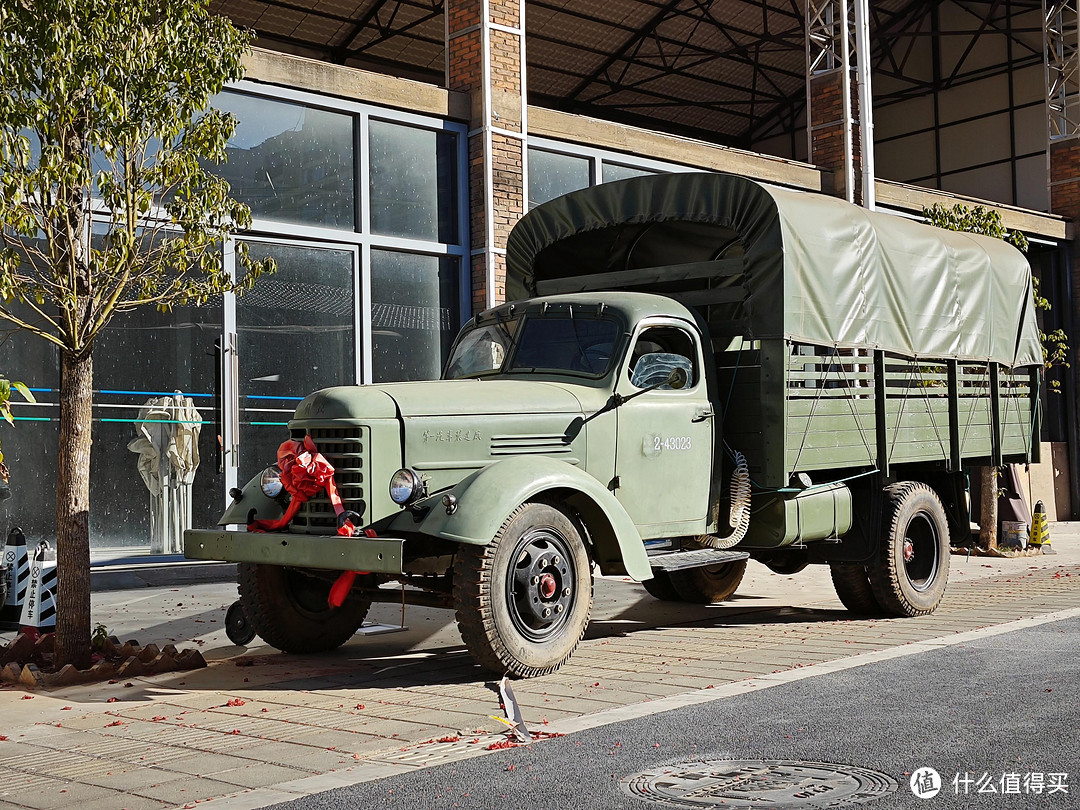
x=632 y=306
x=764 y=262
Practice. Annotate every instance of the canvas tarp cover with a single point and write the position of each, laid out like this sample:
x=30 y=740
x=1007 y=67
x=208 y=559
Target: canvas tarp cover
x=815 y=269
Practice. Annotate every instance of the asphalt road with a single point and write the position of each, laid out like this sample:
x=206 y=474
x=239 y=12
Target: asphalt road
x=1001 y=705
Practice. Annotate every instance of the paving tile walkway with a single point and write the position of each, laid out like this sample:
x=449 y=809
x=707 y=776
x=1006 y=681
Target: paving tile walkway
x=257 y=726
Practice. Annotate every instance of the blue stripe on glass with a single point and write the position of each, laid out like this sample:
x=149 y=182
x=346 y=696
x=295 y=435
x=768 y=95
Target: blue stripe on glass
x=151 y=393
x=154 y=421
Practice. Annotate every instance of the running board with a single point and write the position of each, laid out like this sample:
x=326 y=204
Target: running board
x=679 y=560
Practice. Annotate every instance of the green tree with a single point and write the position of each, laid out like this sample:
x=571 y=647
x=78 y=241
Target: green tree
x=108 y=203
x=5 y=412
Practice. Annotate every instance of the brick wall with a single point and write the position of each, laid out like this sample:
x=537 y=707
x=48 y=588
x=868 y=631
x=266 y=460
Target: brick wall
x=495 y=173
x=1065 y=201
x=1065 y=178
x=827 y=128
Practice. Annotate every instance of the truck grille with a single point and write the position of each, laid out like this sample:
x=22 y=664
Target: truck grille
x=344 y=449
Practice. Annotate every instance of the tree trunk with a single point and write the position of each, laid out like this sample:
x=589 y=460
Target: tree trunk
x=988 y=511
x=73 y=512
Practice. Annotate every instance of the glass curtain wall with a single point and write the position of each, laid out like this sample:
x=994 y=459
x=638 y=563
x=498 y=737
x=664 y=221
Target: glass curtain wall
x=295 y=333
x=361 y=207
x=557 y=168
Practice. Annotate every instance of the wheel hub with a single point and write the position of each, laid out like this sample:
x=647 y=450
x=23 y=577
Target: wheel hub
x=548 y=586
x=541 y=592
x=920 y=550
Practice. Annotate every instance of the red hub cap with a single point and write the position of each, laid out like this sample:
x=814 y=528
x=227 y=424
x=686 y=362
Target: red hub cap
x=909 y=550
x=548 y=586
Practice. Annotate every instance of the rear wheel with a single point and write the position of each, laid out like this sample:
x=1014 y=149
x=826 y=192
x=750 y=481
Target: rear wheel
x=709 y=583
x=853 y=587
x=909 y=573
x=523 y=600
x=660 y=587
x=287 y=608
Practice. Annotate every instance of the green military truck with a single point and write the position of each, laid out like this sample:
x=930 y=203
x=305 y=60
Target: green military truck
x=694 y=370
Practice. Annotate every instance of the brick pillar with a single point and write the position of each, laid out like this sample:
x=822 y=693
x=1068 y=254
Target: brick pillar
x=827 y=129
x=1065 y=201
x=485 y=58
x=1065 y=177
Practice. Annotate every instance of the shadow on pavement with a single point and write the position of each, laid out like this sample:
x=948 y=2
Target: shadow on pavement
x=380 y=661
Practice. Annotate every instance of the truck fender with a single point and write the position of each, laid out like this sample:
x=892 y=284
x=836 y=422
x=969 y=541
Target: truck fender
x=487 y=497
x=253 y=498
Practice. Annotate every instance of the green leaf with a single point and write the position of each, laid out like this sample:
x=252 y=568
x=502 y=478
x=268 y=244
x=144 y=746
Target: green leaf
x=22 y=389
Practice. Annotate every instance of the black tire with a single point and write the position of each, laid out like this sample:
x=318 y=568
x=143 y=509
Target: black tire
x=660 y=587
x=523 y=600
x=237 y=626
x=853 y=587
x=287 y=608
x=710 y=583
x=910 y=571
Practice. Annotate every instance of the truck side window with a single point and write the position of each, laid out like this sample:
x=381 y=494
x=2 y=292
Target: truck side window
x=657 y=351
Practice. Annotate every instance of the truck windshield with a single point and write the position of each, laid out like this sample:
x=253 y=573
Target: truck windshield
x=571 y=344
x=482 y=350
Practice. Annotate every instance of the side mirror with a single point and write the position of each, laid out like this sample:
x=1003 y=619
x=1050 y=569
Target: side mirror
x=678 y=378
x=655 y=370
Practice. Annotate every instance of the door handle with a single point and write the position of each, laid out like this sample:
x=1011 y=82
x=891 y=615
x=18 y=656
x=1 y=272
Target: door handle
x=219 y=403
x=703 y=414
x=233 y=370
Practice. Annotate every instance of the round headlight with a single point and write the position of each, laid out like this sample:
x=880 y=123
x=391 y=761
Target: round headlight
x=405 y=487
x=271 y=482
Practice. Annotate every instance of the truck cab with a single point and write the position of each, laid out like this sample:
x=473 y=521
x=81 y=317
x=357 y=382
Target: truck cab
x=614 y=352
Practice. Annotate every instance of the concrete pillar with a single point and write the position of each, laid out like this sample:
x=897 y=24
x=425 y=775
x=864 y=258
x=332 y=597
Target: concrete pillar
x=485 y=57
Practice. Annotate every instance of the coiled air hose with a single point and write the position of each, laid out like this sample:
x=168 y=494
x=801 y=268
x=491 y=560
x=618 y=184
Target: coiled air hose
x=739 y=517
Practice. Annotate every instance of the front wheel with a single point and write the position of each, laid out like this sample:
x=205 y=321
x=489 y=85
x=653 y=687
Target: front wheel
x=287 y=608
x=909 y=572
x=523 y=600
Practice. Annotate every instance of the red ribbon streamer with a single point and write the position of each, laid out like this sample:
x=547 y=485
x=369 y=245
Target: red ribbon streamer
x=343 y=584
x=304 y=473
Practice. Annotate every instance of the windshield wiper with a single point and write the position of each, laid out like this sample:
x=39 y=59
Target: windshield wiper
x=502 y=327
x=577 y=340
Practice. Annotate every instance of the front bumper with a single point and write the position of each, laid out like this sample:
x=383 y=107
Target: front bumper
x=381 y=555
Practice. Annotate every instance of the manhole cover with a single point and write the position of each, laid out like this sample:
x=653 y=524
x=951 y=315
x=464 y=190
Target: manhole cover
x=759 y=784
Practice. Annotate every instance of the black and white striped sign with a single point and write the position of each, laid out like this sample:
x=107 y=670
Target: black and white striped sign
x=35 y=577
x=18 y=567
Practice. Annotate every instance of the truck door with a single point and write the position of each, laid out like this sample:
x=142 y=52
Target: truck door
x=664 y=445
